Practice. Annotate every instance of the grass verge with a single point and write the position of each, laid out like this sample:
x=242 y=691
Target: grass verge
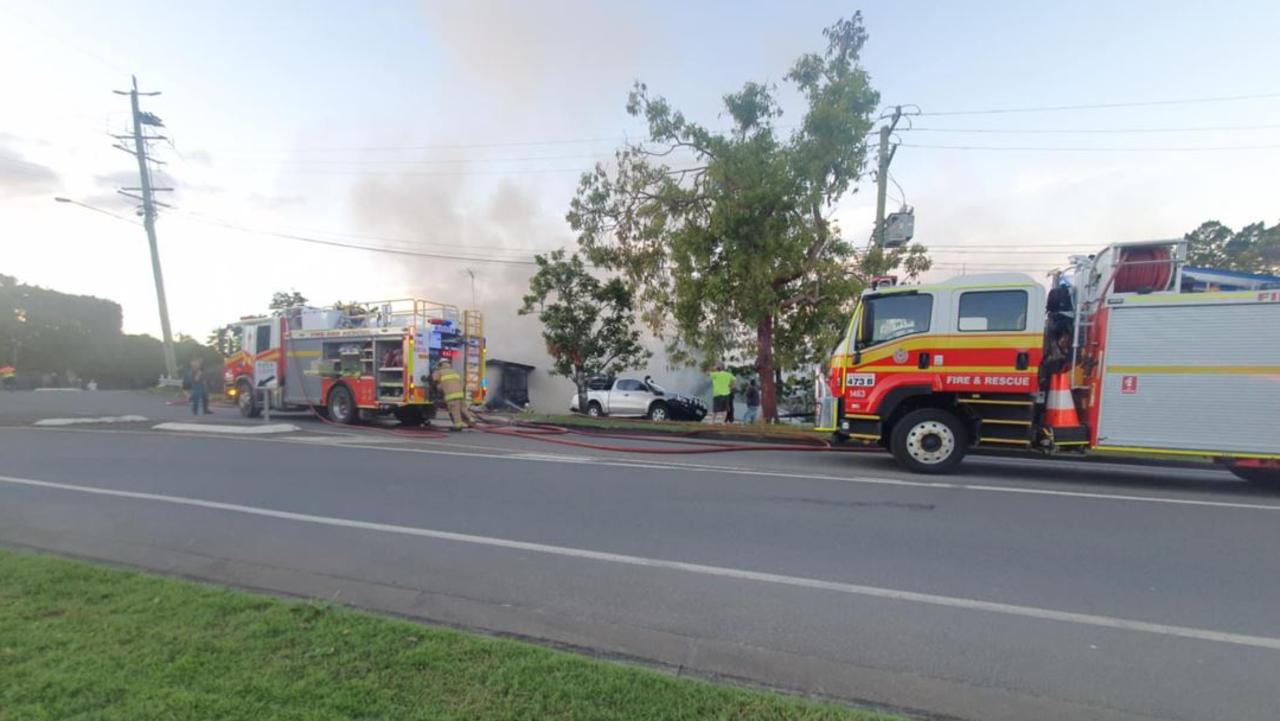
x=761 y=431
x=80 y=641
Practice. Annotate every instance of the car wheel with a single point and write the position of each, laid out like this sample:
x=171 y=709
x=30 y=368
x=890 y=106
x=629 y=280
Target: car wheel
x=658 y=412
x=928 y=441
x=594 y=410
x=342 y=405
x=246 y=401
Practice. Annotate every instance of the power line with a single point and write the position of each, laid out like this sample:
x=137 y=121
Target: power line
x=385 y=239
x=468 y=173
x=354 y=246
x=1105 y=106
x=86 y=206
x=445 y=146
x=1077 y=131
x=1086 y=149
x=996 y=246
x=1003 y=251
x=422 y=161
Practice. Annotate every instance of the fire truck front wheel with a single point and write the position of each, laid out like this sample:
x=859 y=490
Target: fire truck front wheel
x=342 y=405
x=929 y=440
x=247 y=400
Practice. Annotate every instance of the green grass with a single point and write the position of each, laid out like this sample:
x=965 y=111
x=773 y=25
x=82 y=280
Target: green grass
x=88 y=643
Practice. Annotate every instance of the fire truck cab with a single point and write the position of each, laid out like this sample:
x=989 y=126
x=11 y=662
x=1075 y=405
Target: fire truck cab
x=364 y=359
x=1112 y=355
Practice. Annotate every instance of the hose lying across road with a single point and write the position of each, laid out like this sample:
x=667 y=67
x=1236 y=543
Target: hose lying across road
x=548 y=433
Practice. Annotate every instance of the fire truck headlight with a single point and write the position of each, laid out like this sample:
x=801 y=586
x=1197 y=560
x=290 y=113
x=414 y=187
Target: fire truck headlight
x=232 y=392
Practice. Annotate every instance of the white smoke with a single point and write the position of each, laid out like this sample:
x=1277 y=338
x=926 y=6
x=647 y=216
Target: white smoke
x=442 y=215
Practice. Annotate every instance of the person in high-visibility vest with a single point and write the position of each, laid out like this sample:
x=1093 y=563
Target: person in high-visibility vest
x=721 y=394
x=450 y=384
x=7 y=376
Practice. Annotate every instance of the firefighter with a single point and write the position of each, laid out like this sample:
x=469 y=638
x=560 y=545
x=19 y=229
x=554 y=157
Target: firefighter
x=450 y=385
x=1057 y=354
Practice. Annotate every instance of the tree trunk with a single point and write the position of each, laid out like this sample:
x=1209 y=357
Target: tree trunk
x=580 y=380
x=764 y=369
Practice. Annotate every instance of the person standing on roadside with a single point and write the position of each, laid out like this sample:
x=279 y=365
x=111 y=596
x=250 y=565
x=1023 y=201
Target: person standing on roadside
x=753 y=403
x=195 y=382
x=721 y=393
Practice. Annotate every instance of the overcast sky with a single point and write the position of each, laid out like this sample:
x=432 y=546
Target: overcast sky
x=461 y=127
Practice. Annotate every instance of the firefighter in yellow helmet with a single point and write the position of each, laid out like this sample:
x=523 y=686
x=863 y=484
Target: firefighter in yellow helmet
x=450 y=384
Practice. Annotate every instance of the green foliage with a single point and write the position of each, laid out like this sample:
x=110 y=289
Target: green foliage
x=46 y=332
x=225 y=339
x=81 y=642
x=588 y=324
x=351 y=307
x=734 y=250
x=286 y=299
x=1255 y=249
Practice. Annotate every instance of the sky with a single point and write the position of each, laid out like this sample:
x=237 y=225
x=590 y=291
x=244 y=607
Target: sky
x=460 y=128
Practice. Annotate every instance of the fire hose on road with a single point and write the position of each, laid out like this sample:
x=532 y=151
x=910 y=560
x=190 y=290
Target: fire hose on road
x=550 y=433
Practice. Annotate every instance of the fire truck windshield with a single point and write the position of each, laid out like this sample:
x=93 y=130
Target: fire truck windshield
x=887 y=317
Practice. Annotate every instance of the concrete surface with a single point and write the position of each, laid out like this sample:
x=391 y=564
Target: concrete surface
x=1015 y=590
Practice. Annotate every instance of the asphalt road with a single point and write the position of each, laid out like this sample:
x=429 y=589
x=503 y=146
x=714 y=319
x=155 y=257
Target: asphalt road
x=1015 y=590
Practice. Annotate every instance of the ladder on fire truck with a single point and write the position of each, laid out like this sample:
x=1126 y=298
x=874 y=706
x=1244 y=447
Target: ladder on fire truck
x=473 y=349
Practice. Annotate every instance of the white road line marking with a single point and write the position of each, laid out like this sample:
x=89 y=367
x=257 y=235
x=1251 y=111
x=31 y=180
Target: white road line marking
x=868 y=480
x=80 y=421
x=1046 y=614
x=555 y=458
x=515 y=455
x=254 y=430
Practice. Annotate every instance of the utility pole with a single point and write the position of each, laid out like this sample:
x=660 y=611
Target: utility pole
x=149 y=204
x=882 y=174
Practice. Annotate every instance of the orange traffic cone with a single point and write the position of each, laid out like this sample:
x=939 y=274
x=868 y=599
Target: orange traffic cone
x=1060 y=407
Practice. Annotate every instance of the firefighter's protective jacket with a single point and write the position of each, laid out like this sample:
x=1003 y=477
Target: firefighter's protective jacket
x=449 y=382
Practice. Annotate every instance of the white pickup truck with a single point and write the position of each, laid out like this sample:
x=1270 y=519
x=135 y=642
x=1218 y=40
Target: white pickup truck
x=638 y=398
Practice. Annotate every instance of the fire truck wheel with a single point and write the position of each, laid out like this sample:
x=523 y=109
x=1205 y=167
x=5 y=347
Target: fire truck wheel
x=246 y=401
x=342 y=405
x=1265 y=477
x=928 y=440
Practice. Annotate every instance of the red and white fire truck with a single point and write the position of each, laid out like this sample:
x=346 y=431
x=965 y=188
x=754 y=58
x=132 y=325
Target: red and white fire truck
x=365 y=358
x=1116 y=355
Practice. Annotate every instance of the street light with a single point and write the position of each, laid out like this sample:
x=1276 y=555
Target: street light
x=170 y=363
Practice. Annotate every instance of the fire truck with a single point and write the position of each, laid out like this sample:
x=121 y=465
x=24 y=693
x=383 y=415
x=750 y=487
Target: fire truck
x=364 y=359
x=1118 y=354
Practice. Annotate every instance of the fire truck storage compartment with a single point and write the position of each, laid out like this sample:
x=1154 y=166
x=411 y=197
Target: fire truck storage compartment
x=1191 y=375
x=310 y=360
x=389 y=358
